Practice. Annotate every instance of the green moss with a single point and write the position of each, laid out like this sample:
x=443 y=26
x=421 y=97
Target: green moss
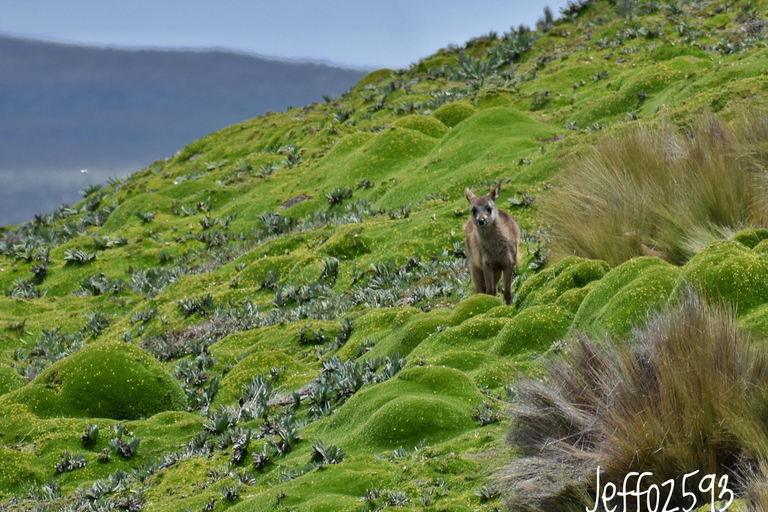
x=9 y=379
x=374 y=77
x=625 y=295
x=549 y=284
x=500 y=312
x=476 y=335
x=762 y=247
x=730 y=271
x=472 y=306
x=534 y=328
x=421 y=160
x=668 y=51
x=231 y=386
x=417 y=327
x=103 y=380
x=424 y=124
x=571 y=300
x=454 y=113
x=403 y=316
x=756 y=321
x=402 y=341
x=463 y=360
x=423 y=402
x=751 y=237
x=348 y=242
x=496 y=374
x=125 y=215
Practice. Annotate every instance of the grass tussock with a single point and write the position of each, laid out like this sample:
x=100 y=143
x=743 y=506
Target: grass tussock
x=656 y=191
x=754 y=482
x=686 y=393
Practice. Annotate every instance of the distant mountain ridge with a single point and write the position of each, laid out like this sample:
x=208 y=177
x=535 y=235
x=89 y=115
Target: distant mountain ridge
x=113 y=111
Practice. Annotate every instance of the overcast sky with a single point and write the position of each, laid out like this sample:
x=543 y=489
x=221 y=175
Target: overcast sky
x=384 y=33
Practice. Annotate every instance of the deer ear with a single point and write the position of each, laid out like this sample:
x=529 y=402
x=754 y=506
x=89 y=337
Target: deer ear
x=469 y=194
x=495 y=191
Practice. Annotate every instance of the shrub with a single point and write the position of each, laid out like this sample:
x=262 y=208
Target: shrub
x=91 y=435
x=70 y=462
x=327 y=454
x=337 y=195
x=686 y=393
x=78 y=256
x=657 y=192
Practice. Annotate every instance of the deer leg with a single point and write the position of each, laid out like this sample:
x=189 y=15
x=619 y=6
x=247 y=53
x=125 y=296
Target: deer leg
x=478 y=279
x=496 y=277
x=490 y=284
x=509 y=273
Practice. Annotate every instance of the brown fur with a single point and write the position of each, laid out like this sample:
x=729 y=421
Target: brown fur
x=493 y=244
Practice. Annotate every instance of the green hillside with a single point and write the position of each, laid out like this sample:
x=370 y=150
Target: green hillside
x=280 y=317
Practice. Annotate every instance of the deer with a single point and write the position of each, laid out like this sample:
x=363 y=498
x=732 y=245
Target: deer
x=493 y=244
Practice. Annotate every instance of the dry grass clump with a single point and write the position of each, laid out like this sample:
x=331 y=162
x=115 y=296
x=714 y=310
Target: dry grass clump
x=656 y=191
x=755 y=489
x=686 y=393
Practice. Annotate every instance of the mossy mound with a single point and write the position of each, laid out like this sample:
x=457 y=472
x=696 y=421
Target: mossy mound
x=9 y=379
x=500 y=312
x=730 y=271
x=336 y=488
x=125 y=214
x=497 y=374
x=549 y=284
x=347 y=243
x=463 y=360
x=424 y=124
x=623 y=298
x=410 y=327
x=534 y=328
x=103 y=380
x=402 y=341
x=472 y=306
x=756 y=321
x=260 y=362
x=475 y=335
x=423 y=402
x=751 y=237
x=571 y=300
x=454 y=113
x=762 y=247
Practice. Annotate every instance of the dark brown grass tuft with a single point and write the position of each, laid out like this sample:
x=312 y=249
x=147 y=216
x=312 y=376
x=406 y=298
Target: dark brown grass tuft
x=689 y=392
x=656 y=191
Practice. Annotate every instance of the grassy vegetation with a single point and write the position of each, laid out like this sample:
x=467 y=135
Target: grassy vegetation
x=681 y=395
x=655 y=192
x=280 y=315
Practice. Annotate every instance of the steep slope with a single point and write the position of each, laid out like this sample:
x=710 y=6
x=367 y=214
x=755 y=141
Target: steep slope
x=302 y=274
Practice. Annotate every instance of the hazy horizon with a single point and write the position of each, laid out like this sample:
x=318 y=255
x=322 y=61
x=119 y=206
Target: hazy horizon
x=64 y=108
x=343 y=32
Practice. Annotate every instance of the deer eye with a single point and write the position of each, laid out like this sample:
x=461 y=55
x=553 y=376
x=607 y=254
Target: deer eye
x=490 y=209
x=474 y=211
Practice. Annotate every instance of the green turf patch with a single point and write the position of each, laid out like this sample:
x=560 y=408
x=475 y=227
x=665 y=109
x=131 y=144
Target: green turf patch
x=9 y=379
x=625 y=296
x=727 y=270
x=534 y=328
x=427 y=125
x=549 y=284
x=424 y=402
x=103 y=380
x=454 y=113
